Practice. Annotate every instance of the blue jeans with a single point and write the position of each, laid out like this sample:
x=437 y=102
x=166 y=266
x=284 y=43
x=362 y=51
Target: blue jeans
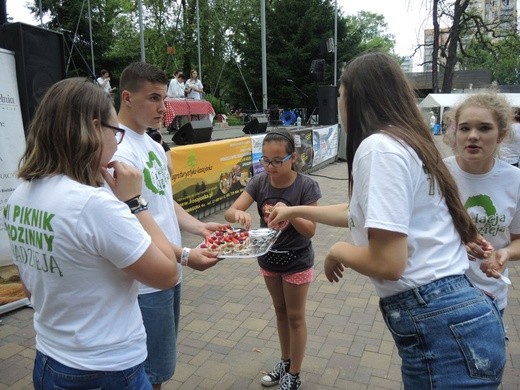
x=161 y=312
x=48 y=374
x=449 y=335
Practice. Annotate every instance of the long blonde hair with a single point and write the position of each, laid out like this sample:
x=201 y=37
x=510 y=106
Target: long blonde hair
x=62 y=138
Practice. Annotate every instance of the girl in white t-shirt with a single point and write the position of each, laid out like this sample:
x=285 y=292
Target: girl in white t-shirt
x=79 y=249
x=409 y=228
x=489 y=187
x=194 y=86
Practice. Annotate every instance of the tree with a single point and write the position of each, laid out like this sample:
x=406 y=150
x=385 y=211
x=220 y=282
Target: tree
x=472 y=41
x=502 y=59
x=459 y=7
x=230 y=42
x=295 y=30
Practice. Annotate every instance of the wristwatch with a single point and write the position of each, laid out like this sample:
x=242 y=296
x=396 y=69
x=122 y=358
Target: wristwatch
x=137 y=204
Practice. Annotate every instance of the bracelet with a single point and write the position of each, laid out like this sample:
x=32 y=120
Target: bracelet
x=138 y=210
x=185 y=254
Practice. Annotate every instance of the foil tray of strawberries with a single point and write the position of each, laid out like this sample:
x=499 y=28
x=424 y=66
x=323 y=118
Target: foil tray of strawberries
x=233 y=243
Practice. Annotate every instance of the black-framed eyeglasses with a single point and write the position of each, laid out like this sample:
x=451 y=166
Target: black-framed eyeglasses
x=118 y=132
x=275 y=163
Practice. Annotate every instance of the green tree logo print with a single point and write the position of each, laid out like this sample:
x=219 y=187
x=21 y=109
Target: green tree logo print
x=155 y=175
x=488 y=223
x=483 y=201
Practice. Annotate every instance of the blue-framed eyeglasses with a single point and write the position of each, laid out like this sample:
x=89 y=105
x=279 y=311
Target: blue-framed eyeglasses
x=118 y=132
x=275 y=163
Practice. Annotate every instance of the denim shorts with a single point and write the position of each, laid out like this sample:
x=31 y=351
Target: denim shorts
x=449 y=335
x=161 y=312
x=48 y=374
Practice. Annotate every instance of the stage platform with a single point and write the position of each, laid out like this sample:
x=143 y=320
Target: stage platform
x=222 y=132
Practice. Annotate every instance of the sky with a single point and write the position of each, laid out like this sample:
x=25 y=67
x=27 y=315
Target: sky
x=406 y=18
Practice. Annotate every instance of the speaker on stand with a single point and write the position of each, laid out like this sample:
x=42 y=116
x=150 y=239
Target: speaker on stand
x=318 y=69
x=327 y=104
x=40 y=62
x=193 y=132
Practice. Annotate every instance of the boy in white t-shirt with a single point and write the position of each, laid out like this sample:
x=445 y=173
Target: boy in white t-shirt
x=143 y=90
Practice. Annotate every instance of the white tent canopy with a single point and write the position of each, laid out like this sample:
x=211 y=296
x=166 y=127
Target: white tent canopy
x=452 y=99
x=447 y=100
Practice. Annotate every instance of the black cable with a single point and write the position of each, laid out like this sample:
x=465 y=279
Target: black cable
x=328 y=177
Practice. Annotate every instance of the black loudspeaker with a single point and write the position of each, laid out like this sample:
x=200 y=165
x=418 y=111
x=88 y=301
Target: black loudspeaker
x=326 y=46
x=40 y=62
x=257 y=125
x=318 y=69
x=327 y=104
x=193 y=132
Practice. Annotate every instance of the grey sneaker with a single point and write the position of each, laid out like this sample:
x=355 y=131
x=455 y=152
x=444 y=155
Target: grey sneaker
x=290 y=382
x=273 y=378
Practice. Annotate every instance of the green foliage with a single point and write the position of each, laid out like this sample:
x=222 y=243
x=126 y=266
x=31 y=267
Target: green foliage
x=230 y=46
x=235 y=120
x=502 y=59
x=219 y=105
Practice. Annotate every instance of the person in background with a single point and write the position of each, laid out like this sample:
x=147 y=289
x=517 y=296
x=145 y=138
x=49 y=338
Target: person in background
x=176 y=86
x=176 y=89
x=82 y=277
x=510 y=146
x=288 y=267
x=435 y=127
x=489 y=187
x=143 y=90
x=409 y=228
x=104 y=82
x=194 y=86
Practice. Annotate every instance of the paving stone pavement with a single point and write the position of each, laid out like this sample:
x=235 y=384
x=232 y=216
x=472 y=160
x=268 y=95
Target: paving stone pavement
x=228 y=331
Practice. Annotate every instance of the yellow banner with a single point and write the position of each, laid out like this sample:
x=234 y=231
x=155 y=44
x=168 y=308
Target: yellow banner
x=210 y=173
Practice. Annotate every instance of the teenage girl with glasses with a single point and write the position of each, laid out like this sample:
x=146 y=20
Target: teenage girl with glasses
x=82 y=279
x=288 y=267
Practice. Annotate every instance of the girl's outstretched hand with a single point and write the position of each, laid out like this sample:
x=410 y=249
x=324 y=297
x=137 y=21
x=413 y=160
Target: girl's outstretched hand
x=243 y=218
x=280 y=214
x=333 y=268
x=278 y=219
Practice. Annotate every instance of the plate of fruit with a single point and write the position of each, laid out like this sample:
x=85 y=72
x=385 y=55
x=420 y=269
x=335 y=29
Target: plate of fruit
x=238 y=243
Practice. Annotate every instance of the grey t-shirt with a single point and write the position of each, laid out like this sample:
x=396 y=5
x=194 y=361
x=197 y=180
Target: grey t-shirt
x=303 y=191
